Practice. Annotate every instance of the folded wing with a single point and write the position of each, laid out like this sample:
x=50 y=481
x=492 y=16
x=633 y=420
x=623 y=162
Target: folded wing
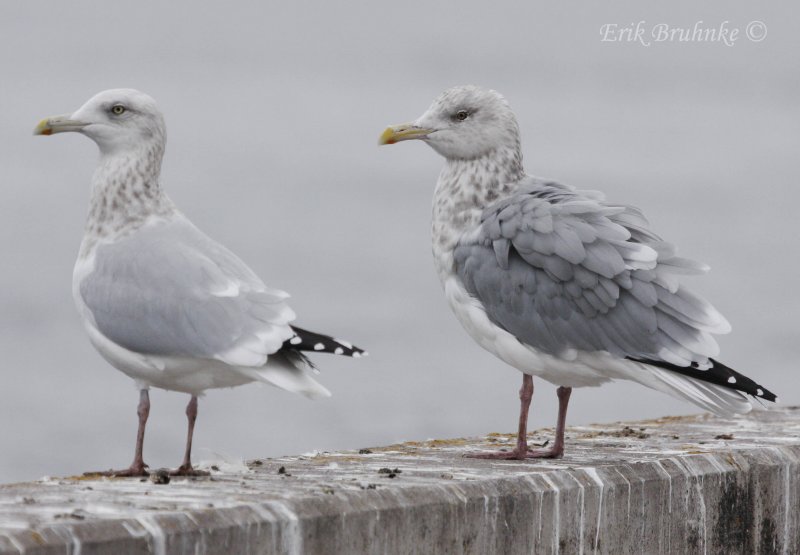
x=168 y=289
x=564 y=271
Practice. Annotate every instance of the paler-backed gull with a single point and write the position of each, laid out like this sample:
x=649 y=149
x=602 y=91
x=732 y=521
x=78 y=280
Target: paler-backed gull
x=160 y=300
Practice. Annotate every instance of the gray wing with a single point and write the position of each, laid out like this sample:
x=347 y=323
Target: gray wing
x=563 y=270
x=168 y=289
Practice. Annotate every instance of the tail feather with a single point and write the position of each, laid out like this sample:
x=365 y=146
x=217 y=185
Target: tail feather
x=717 y=374
x=711 y=397
x=289 y=370
x=310 y=341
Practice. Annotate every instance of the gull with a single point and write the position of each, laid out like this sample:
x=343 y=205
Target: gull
x=560 y=283
x=160 y=300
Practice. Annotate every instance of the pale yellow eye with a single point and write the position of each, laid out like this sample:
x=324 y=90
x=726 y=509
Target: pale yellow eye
x=118 y=109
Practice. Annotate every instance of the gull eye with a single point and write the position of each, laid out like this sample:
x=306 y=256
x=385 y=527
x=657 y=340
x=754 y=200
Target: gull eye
x=461 y=115
x=118 y=109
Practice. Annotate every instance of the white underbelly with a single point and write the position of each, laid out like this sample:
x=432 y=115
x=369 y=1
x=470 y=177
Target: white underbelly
x=188 y=375
x=571 y=369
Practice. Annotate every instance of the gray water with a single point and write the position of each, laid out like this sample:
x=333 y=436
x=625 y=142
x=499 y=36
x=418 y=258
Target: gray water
x=273 y=115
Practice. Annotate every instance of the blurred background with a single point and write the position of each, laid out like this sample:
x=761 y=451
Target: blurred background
x=274 y=110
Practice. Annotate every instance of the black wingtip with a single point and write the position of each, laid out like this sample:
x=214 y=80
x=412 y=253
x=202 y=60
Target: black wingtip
x=310 y=341
x=718 y=374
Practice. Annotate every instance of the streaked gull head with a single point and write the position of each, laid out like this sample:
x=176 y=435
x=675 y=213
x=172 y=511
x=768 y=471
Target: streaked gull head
x=117 y=120
x=463 y=123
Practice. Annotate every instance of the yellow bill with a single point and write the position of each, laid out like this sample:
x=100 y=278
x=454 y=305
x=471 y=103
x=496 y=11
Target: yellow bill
x=58 y=124
x=403 y=132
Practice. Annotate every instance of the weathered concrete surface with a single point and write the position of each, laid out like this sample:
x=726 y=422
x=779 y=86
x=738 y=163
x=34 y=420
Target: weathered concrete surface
x=674 y=485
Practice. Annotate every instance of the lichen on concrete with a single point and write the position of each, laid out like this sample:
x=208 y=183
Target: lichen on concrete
x=674 y=485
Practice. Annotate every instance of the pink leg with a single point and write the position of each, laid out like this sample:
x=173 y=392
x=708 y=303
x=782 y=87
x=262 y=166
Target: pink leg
x=521 y=451
x=557 y=450
x=186 y=468
x=138 y=466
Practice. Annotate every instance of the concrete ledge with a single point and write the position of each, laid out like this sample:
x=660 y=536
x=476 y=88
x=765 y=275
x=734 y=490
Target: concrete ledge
x=673 y=485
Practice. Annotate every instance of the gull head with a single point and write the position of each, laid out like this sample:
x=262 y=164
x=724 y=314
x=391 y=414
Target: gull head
x=117 y=120
x=463 y=123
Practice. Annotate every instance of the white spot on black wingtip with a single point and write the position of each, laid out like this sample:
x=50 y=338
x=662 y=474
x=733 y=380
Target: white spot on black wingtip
x=777 y=400
x=356 y=354
x=295 y=340
x=338 y=351
x=364 y=354
x=319 y=347
x=732 y=379
x=760 y=392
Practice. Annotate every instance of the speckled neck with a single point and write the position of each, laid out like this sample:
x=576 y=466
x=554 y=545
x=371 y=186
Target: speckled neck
x=125 y=192
x=464 y=189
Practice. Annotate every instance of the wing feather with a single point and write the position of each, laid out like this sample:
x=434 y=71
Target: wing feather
x=562 y=271
x=167 y=289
